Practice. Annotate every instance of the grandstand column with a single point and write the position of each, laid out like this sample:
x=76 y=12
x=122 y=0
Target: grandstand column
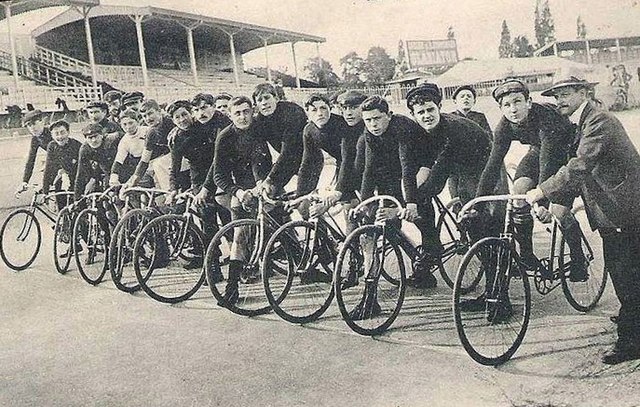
x=12 y=45
x=586 y=43
x=232 y=45
x=87 y=32
x=192 y=53
x=295 y=63
x=265 y=40
x=618 y=51
x=138 y=19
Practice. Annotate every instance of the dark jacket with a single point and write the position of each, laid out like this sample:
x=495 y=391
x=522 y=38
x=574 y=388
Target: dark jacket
x=42 y=141
x=60 y=157
x=479 y=118
x=605 y=170
x=94 y=163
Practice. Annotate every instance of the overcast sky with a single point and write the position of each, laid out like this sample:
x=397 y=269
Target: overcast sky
x=357 y=25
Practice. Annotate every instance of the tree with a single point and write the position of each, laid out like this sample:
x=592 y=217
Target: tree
x=379 y=66
x=521 y=47
x=581 y=29
x=450 y=33
x=505 y=50
x=352 y=69
x=321 y=72
x=543 y=24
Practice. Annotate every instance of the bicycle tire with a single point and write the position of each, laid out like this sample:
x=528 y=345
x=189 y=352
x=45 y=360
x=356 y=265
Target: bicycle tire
x=455 y=245
x=368 y=316
x=493 y=330
x=584 y=296
x=62 y=243
x=91 y=259
x=16 y=239
x=162 y=257
x=121 y=249
x=305 y=291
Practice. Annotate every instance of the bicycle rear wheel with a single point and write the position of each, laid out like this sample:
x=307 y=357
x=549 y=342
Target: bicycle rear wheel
x=167 y=258
x=369 y=307
x=121 y=249
x=62 y=243
x=305 y=291
x=585 y=295
x=20 y=239
x=492 y=318
x=233 y=269
x=91 y=245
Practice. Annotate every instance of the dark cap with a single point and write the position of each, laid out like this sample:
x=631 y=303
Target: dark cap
x=31 y=116
x=465 y=87
x=508 y=87
x=92 y=129
x=97 y=103
x=351 y=98
x=131 y=97
x=571 y=81
x=429 y=91
x=112 y=95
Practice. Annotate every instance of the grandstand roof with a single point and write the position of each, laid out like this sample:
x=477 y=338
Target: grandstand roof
x=487 y=70
x=24 y=6
x=247 y=36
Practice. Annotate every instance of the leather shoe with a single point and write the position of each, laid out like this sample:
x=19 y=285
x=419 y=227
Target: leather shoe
x=621 y=352
x=474 y=304
x=422 y=281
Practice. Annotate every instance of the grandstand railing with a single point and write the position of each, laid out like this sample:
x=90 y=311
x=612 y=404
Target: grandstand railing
x=61 y=61
x=45 y=98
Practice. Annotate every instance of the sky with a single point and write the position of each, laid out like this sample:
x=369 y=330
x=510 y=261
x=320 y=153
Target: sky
x=357 y=25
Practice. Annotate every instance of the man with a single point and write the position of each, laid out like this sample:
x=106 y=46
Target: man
x=242 y=160
x=549 y=136
x=221 y=103
x=97 y=114
x=95 y=160
x=112 y=99
x=132 y=100
x=451 y=146
x=156 y=149
x=40 y=138
x=130 y=149
x=62 y=160
x=280 y=123
x=605 y=171
x=465 y=99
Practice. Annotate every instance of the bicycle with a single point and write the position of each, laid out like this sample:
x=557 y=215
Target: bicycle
x=492 y=314
x=92 y=234
x=126 y=231
x=168 y=253
x=307 y=249
x=21 y=233
x=250 y=298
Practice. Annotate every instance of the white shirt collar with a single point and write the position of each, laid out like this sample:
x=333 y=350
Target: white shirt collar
x=575 y=117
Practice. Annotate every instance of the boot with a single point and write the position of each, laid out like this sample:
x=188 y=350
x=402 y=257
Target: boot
x=231 y=293
x=578 y=268
x=523 y=233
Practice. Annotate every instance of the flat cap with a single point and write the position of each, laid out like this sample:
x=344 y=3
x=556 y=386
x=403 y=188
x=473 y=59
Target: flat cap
x=465 y=87
x=571 y=81
x=131 y=97
x=430 y=91
x=97 y=103
x=351 y=98
x=507 y=87
x=92 y=129
x=112 y=95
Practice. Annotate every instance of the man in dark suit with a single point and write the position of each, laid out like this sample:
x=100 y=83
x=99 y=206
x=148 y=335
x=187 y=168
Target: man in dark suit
x=605 y=170
x=465 y=98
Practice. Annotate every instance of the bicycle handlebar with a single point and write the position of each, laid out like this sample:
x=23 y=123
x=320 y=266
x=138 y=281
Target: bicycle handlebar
x=489 y=198
x=380 y=199
x=124 y=192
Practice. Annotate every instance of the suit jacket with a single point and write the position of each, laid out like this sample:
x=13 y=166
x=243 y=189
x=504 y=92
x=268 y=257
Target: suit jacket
x=605 y=171
x=479 y=118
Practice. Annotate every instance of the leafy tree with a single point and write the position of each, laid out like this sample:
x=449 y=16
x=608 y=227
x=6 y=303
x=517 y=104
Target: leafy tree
x=379 y=66
x=581 y=29
x=321 y=72
x=521 y=47
x=353 y=67
x=505 y=50
x=450 y=33
x=543 y=23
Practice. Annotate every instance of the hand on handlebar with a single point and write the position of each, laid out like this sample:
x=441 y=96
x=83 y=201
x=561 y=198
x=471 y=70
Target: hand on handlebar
x=332 y=199
x=410 y=213
x=543 y=214
x=386 y=214
x=199 y=200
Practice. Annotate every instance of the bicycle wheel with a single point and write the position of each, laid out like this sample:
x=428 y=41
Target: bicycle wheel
x=232 y=266
x=62 y=247
x=91 y=245
x=369 y=307
x=304 y=292
x=121 y=249
x=167 y=258
x=455 y=243
x=20 y=239
x=491 y=319
x=584 y=296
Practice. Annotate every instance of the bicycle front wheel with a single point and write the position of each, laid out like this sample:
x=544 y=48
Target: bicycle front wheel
x=491 y=317
x=20 y=239
x=369 y=280
x=167 y=258
x=91 y=245
x=304 y=291
x=585 y=295
x=455 y=243
x=62 y=246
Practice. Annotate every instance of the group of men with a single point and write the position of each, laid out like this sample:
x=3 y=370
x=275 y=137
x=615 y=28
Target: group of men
x=219 y=147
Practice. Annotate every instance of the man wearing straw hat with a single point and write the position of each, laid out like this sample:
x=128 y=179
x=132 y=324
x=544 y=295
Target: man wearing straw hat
x=605 y=171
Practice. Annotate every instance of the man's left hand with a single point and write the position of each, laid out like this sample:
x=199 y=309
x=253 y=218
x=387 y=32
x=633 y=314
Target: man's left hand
x=410 y=213
x=534 y=196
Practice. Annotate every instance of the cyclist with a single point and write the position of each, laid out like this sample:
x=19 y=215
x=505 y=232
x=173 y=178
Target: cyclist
x=450 y=146
x=280 y=123
x=112 y=99
x=156 y=149
x=97 y=112
x=549 y=136
x=130 y=149
x=221 y=102
x=605 y=171
x=242 y=161
x=40 y=138
x=132 y=100
x=62 y=160
x=95 y=160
